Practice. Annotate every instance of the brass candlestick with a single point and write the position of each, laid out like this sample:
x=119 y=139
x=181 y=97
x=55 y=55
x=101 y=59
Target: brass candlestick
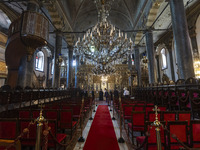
x=39 y=121
x=157 y=124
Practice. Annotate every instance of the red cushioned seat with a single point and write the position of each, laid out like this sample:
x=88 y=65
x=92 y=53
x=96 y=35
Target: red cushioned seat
x=51 y=114
x=152 y=116
x=137 y=123
x=138 y=129
x=74 y=123
x=179 y=128
x=76 y=116
x=140 y=139
x=138 y=107
x=127 y=117
x=130 y=125
x=8 y=128
x=66 y=120
x=184 y=116
x=25 y=114
x=169 y=116
x=195 y=133
x=76 y=111
x=151 y=141
x=60 y=137
x=3 y=148
x=154 y=147
x=127 y=111
x=148 y=109
x=31 y=138
x=35 y=114
x=196 y=145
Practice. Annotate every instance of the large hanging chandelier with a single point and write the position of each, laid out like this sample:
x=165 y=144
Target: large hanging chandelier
x=104 y=43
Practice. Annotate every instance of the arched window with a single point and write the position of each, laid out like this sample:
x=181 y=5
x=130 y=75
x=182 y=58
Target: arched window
x=164 y=58
x=52 y=66
x=74 y=62
x=39 y=61
x=4 y=20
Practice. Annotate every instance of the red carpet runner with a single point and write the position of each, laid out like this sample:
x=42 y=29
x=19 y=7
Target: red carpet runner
x=101 y=135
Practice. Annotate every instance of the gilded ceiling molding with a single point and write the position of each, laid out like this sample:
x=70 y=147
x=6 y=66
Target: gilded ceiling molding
x=138 y=37
x=3 y=39
x=3 y=69
x=149 y=19
x=192 y=14
x=59 y=19
x=153 y=12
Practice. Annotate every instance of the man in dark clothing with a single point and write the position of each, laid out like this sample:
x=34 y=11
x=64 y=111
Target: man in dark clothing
x=92 y=94
x=101 y=95
x=85 y=93
x=106 y=95
x=116 y=93
x=111 y=95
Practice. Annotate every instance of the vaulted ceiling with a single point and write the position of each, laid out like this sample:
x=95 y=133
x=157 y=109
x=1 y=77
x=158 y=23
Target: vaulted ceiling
x=83 y=13
x=79 y=15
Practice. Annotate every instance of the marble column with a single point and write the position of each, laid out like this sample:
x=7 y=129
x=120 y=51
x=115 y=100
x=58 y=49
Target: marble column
x=76 y=70
x=193 y=35
x=150 y=56
x=48 y=68
x=130 y=77
x=57 y=53
x=181 y=39
x=70 y=66
x=137 y=65
x=171 y=64
x=25 y=72
x=158 y=67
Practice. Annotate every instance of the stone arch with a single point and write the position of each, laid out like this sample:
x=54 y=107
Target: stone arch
x=167 y=70
x=198 y=32
x=9 y=12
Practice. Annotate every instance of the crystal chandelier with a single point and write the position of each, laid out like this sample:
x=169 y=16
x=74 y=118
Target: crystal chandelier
x=103 y=70
x=104 y=43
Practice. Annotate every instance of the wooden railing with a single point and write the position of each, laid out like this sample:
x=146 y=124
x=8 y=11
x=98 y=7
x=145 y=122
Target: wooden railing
x=182 y=95
x=28 y=97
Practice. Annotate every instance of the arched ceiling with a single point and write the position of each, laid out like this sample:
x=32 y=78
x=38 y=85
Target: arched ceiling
x=79 y=15
x=83 y=13
x=4 y=20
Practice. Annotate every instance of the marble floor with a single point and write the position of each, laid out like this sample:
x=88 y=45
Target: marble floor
x=122 y=146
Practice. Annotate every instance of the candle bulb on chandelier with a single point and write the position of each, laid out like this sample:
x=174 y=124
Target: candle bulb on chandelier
x=131 y=42
x=91 y=35
x=111 y=32
x=125 y=36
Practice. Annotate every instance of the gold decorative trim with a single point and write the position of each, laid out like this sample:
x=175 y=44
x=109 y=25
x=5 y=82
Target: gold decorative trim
x=3 y=70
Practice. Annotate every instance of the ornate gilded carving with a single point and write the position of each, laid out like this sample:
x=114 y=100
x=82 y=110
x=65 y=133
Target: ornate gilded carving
x=3 y=69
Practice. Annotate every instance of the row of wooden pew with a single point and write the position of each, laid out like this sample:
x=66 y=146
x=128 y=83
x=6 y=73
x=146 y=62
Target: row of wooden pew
x=63 y=116
x=182 y=98
x=21 y=96
x=138 y=115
